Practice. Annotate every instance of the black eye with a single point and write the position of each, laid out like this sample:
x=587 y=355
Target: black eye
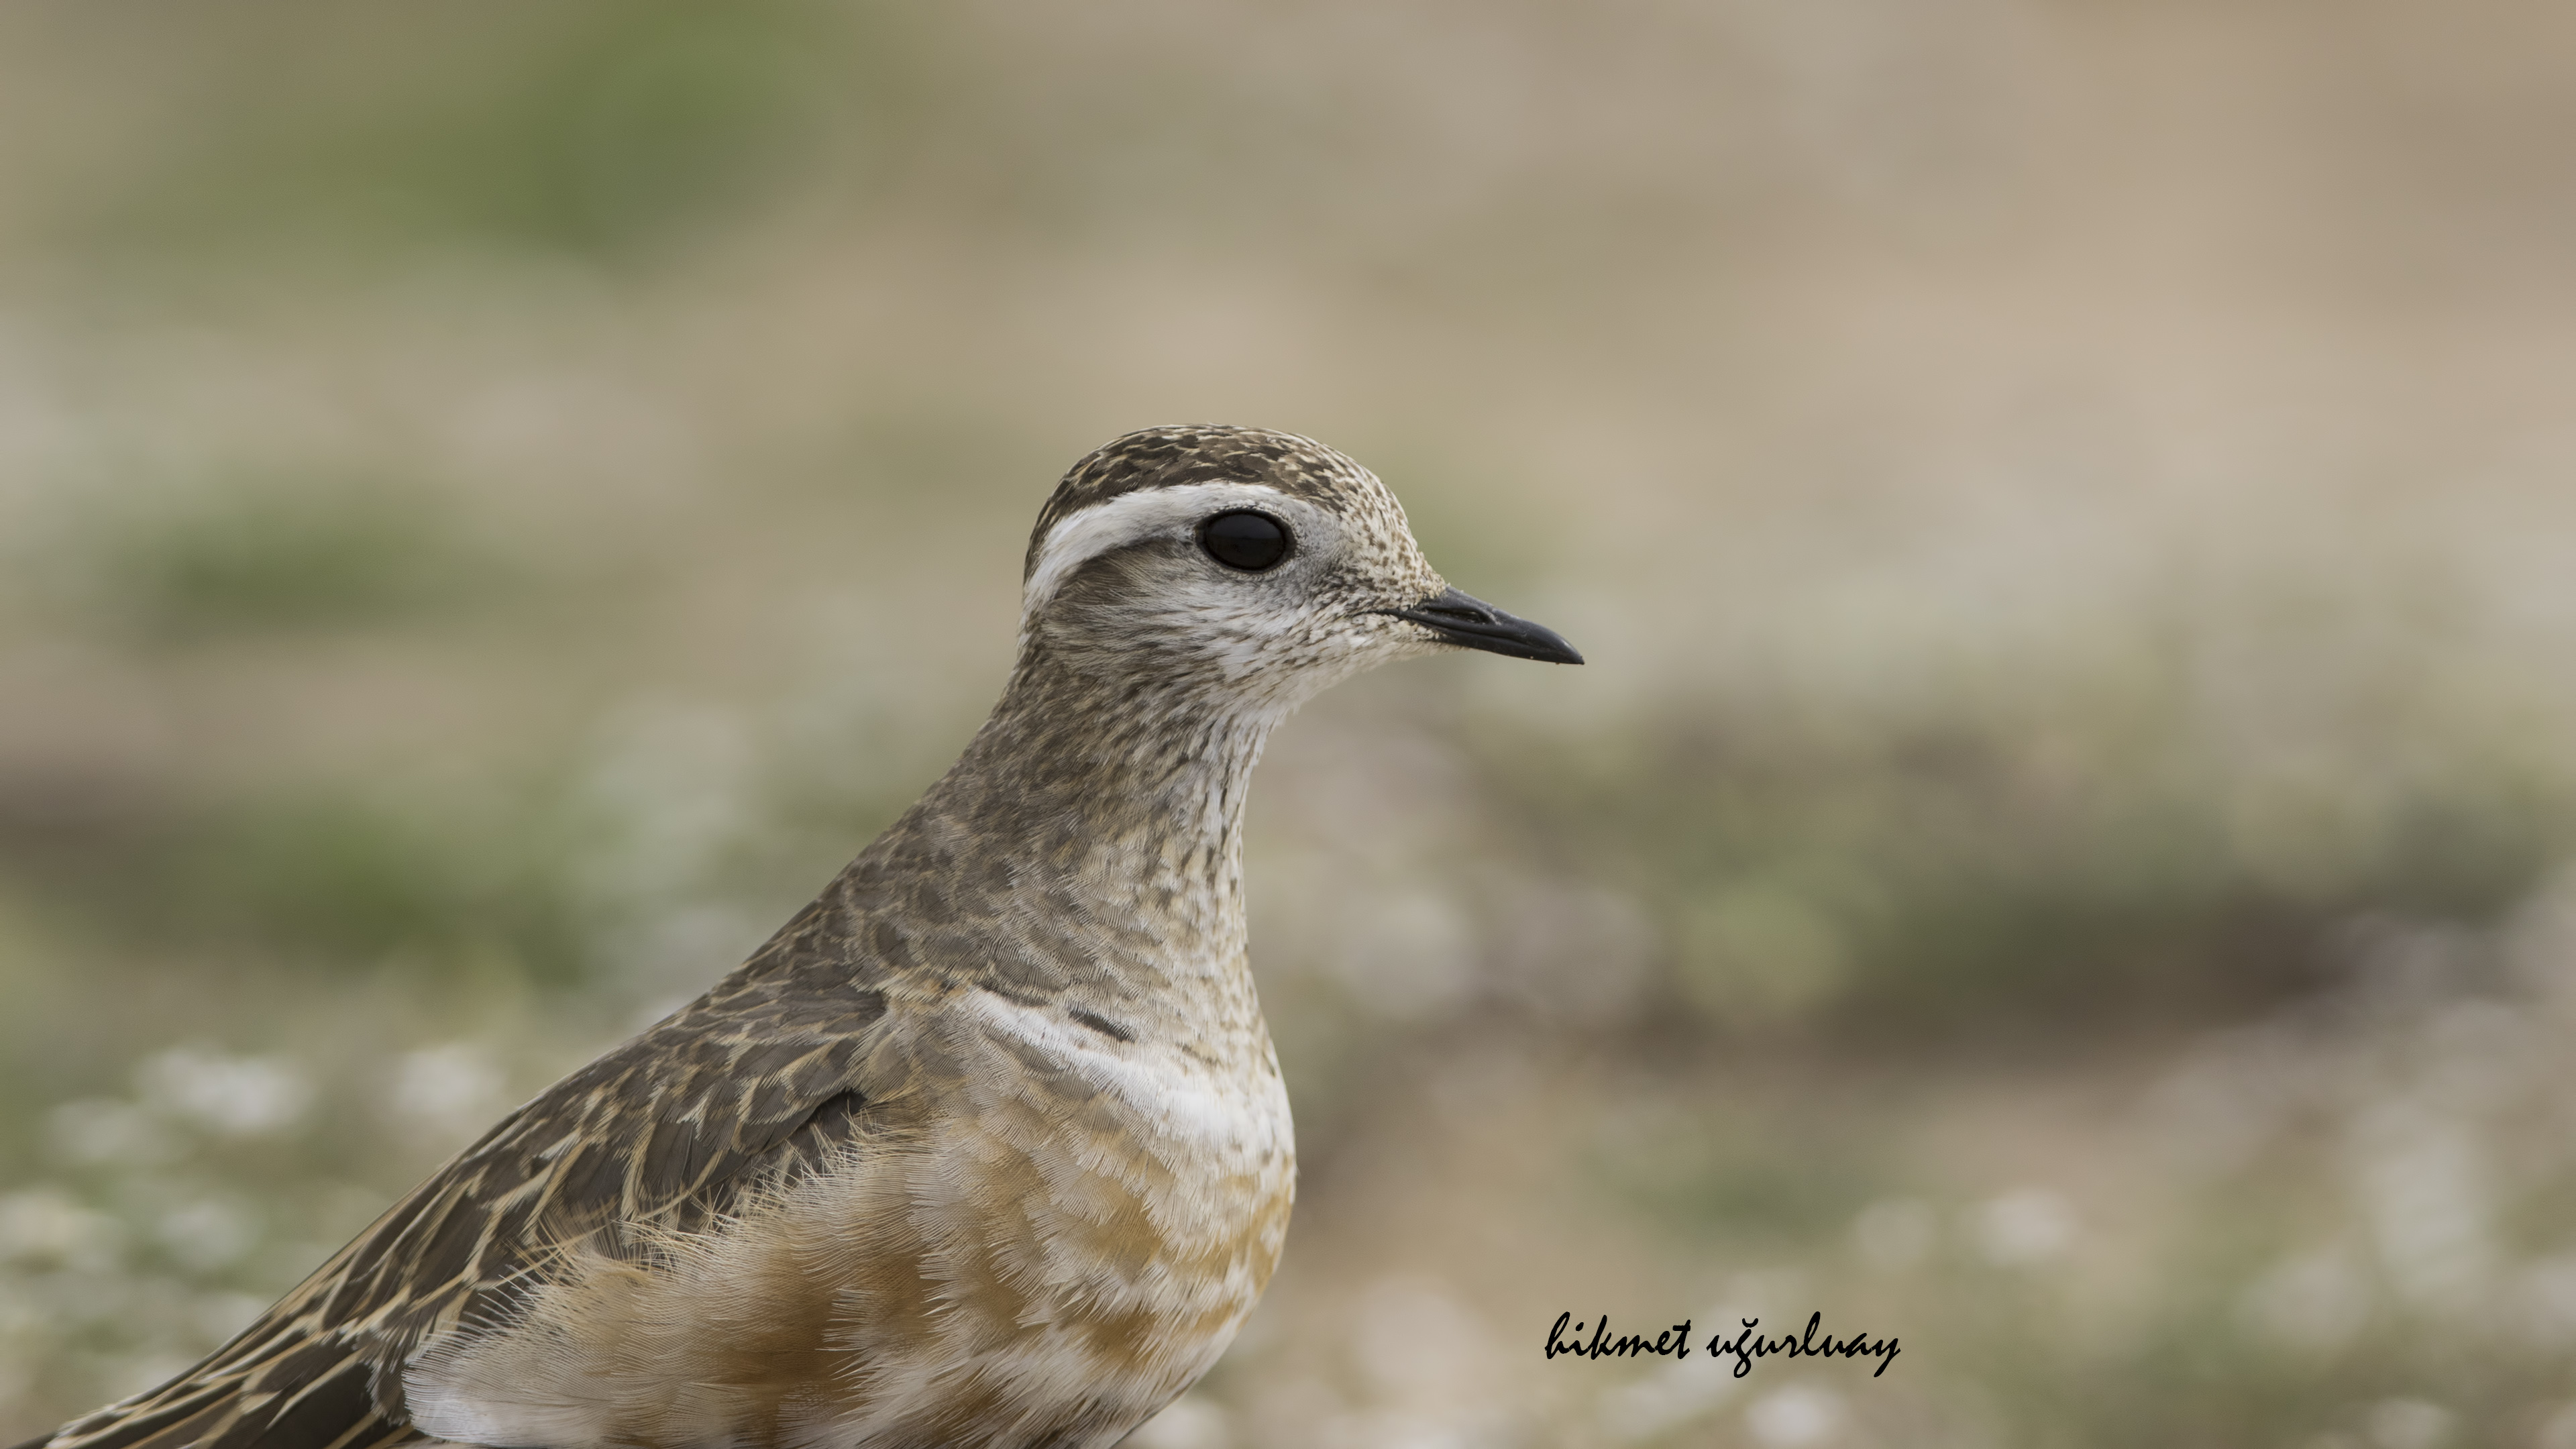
x=1244 y=540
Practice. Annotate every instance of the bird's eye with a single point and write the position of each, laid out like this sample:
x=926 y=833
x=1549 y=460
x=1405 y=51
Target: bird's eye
x=1245 y=540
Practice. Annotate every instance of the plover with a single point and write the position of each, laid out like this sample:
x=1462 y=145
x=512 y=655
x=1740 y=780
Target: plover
x=987 y=1146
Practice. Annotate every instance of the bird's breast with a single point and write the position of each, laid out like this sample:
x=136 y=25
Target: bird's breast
x=1088 y=1221
x=1148 y=1165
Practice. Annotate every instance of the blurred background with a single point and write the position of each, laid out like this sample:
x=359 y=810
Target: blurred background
x=2058 y=856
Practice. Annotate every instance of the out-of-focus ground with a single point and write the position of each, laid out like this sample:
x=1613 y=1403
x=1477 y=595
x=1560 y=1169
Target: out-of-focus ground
x=2059 y=855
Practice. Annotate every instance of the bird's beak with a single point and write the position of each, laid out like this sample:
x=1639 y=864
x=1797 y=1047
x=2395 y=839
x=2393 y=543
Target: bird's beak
x=1472 y=623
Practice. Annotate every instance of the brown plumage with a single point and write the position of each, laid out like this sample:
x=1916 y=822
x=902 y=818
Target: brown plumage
x=987 y=1146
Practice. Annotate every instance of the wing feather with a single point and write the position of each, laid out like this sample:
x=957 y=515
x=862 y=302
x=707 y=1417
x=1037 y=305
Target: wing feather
x=749 y=1087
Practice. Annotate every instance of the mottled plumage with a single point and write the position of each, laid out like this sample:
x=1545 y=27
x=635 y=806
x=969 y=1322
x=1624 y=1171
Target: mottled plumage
x=987 y=1146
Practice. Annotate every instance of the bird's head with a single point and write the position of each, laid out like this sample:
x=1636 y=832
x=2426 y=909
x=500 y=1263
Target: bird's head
x=1240 y=562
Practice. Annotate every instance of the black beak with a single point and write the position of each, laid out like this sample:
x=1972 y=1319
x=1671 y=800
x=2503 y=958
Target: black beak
x=1474 y=624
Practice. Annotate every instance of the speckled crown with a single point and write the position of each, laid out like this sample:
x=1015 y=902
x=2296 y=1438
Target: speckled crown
x=1169 y=457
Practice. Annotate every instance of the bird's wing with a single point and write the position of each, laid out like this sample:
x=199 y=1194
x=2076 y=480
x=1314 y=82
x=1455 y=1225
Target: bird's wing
x=750 y=1086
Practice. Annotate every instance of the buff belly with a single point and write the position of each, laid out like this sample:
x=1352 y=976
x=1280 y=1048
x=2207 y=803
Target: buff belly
x=1037 y=1245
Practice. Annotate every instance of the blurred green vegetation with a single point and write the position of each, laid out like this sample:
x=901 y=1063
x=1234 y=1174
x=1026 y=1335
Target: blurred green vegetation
x=350 y=880
x=601 y=131
x=277 y=554
x=2007 y=873
x=1769 y=1172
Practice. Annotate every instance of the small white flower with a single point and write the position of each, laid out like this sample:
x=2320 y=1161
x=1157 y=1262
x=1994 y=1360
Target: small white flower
x=448 y=1088
x=2423 y=1180
x=209 y=1233
x=45 y=1224
x=103 y=1129
x=1795 y=1416
x=1666 y=1399
x=232 y=1096
x=2023 y=1227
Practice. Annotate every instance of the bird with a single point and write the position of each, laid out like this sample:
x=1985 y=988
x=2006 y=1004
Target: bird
x=987 y=1147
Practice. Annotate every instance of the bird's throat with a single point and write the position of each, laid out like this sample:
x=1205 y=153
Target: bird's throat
x=1101 y=825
